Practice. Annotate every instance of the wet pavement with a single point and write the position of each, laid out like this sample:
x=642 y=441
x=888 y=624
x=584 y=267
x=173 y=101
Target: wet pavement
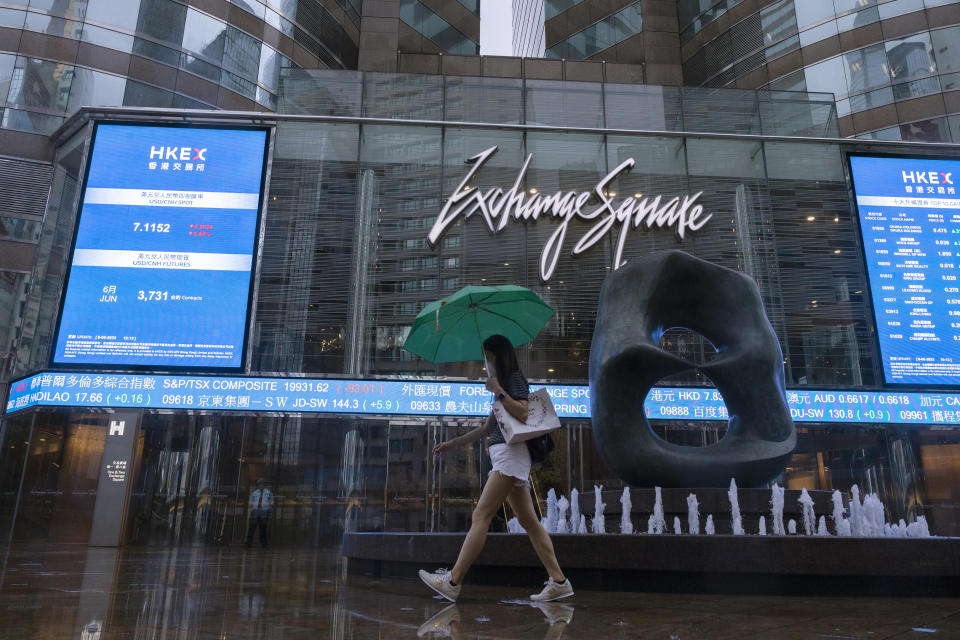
x=66 y=591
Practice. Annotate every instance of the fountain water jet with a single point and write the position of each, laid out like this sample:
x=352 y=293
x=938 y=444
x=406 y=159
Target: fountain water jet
x=735 y=509
x=598 y=506
x=693 y=515
x=552 y=512
x=574 y=511
x=709 y=527
x=676 y=526
x=563 y=525
x=625 y=525
x=776 y=505
x=809 y=517
x=656 y=524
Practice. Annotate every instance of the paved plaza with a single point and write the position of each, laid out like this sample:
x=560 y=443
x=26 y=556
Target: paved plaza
x=64 y=591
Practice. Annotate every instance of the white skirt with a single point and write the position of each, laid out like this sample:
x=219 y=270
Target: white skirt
x=512 y=460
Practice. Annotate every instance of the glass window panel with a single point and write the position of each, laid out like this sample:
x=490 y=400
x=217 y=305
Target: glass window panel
x=803 y=161
x=107 y=38
x=119 y=14
x=183 y=102
x=30 y=121
x=40 y=83
x=53 y=26
x=843 y=107
x=423 y=19
x=843 y=6
x=12 y=18
x=791 y=82
x=866 y=68
x=600 y=35
x=564 y=103
x=916 y=88
x=138 y=94
x=953 y=123
x=946 y=48
x=778 y=21
x=238 y=84
x=812 y=11
x=858 y=19
x=497 y=100
x=732 y=158
x=555 y=7
x=640 y=106
x=871 y=99
x=7 y=62
x=204 y=35
x=934 y=130
x=826 y=76
x=950 y=82
x=391 y=95
x=270 y=61
x=250 y=6
x=267 y=99
x=279 y=23
x=154 y=51
x=73 y=9
x=162 y=19
x=899 y=7
x=818 y=33
x=910 y=57
x=200 y=67
x=241 y=53
x=938 y=3
x=784 y=46
x=20 y=229
x=95 y=88
x=286 y=7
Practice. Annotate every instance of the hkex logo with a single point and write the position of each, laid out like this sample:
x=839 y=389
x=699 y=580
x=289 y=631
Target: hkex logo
x=183 y=154
x=927 y=177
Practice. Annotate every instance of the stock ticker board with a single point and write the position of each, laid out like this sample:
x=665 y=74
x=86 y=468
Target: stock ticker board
x=909 y=211
x=438 y=398
x=162 y=264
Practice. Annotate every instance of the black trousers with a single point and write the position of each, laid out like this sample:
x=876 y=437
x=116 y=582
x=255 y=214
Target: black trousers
x=257 y=521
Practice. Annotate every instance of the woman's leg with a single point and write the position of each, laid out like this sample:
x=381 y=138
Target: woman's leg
x=522 y=505
x=493 y=495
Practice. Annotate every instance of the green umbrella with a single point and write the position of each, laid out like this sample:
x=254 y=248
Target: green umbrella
x=453 y=329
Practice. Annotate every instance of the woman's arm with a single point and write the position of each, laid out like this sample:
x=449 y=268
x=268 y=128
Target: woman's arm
x=516 y=408
x=470 y=436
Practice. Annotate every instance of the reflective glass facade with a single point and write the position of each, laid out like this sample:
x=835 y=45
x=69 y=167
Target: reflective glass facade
x=600 y=35
x=345 y=267
x=162 y=53
x=869 y=54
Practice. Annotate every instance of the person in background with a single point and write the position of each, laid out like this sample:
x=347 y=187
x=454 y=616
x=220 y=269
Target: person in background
x=261 y=504
x=506 y=482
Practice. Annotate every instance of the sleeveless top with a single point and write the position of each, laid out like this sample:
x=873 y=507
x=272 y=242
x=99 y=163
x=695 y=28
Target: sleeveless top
x=517 y=388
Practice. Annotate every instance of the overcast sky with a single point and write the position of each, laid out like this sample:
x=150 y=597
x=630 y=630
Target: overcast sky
x=496 y=27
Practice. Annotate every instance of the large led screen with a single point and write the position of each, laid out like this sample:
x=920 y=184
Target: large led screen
x=163 y=257
x=909 y=212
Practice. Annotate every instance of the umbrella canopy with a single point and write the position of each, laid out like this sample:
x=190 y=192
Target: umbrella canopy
x=453 y=329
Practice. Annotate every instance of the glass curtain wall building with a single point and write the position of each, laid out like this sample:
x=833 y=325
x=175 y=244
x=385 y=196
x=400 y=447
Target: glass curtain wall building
x=893 y=66
x=360 y=166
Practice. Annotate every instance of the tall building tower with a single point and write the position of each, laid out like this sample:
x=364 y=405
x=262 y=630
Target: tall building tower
x=528 y=29
x=623 y=31
x=893 y=66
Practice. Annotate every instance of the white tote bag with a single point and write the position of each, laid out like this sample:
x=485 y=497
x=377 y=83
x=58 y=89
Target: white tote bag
x=541 y=418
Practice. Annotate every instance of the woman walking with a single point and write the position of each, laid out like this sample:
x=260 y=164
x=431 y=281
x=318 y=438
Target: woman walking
x=507 y=481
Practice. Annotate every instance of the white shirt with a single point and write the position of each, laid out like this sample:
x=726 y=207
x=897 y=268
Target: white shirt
x=255 y=502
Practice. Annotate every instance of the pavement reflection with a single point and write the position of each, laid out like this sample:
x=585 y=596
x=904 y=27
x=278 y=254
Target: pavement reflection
x=194 y=592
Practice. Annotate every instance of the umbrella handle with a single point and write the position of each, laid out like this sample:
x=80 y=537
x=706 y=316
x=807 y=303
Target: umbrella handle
x=437 y=328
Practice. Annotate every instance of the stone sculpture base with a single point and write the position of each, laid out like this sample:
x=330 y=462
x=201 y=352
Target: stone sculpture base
x=669 y=563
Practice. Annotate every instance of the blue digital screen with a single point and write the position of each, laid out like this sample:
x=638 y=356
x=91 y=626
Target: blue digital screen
x=162 y=263
x=909 y=212
x=442 y=398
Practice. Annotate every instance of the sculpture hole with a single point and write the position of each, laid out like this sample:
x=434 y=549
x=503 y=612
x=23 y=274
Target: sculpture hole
x=692 y=429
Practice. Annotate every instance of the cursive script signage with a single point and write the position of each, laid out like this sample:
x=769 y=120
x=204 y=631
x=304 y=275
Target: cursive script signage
x=497 y=206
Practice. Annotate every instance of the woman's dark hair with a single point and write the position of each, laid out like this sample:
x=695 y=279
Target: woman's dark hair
x=504 y=357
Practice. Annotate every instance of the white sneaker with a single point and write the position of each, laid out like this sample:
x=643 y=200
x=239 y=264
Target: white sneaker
x=553 y=590
x=440 y=623
x=439 y=581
